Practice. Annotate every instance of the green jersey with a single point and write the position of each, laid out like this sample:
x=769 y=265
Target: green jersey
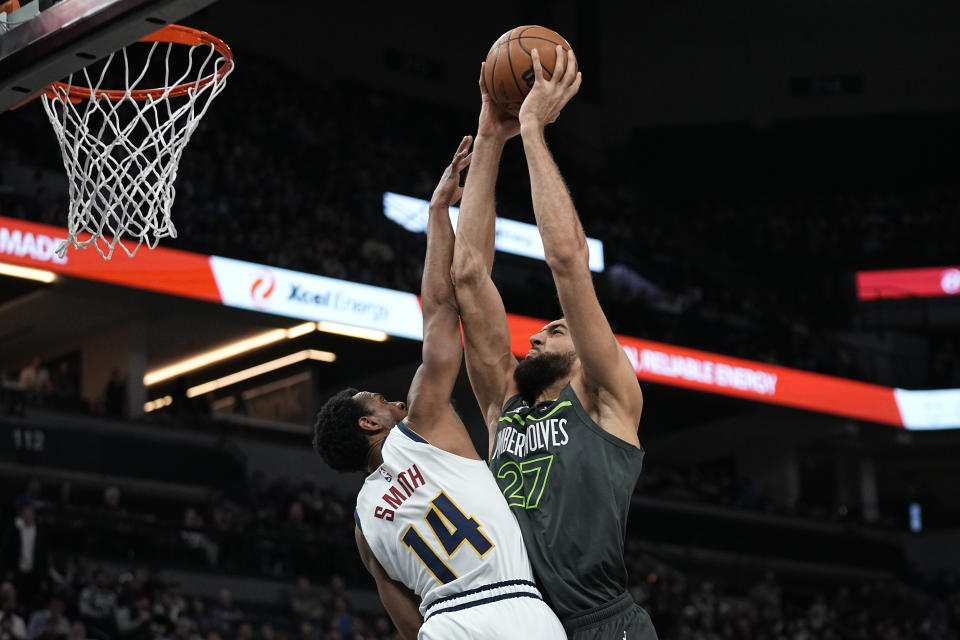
x=569 y=483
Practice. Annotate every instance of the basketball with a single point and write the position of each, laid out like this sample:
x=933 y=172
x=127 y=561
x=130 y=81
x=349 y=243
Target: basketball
x=508 y=72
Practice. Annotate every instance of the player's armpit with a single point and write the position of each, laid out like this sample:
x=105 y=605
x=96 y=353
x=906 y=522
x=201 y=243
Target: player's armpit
x=401 y=603
x=607 y=372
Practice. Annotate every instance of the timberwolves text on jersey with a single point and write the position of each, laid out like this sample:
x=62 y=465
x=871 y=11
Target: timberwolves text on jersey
x=522 y=435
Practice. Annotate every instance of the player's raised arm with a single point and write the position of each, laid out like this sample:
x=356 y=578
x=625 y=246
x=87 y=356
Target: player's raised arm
x=401 y=603
x=490 y=363
x=429 y=395
x=606 y=371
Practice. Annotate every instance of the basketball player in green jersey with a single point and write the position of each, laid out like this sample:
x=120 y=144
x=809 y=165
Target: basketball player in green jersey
x=563 y=421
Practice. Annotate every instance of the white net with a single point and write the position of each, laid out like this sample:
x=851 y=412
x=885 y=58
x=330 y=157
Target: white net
x=121 y=148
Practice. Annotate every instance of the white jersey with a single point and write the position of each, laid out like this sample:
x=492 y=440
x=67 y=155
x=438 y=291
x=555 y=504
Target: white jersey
x=438 y=524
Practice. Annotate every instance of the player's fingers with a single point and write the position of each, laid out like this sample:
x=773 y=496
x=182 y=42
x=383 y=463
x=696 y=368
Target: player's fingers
x=558 y=66
x=570 y=70
x=575 y=87
x=481 y=82
x=537 y=69
x=464 y=147
x=466 y=160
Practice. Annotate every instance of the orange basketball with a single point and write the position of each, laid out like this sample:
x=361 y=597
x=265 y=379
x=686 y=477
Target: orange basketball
x=508 y=73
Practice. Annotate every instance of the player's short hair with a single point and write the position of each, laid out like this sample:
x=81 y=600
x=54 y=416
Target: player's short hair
x=337 y=435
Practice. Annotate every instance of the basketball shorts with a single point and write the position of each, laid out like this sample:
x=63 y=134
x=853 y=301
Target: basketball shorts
x=492 y=614
x=619 y=619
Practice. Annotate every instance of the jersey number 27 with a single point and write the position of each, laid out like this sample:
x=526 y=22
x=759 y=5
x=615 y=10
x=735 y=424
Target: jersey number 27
x=462 y=528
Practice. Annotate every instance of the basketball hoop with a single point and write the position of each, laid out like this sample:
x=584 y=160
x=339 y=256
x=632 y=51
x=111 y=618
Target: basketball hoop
x=121 y=147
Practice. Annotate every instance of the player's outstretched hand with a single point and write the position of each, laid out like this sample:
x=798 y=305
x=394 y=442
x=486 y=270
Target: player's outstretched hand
x=548 y=97
x=448 y=190
x=494 y=121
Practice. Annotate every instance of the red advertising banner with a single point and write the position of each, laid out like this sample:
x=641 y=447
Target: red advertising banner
x=908 y=283
x=170 y=271
x=704 y=371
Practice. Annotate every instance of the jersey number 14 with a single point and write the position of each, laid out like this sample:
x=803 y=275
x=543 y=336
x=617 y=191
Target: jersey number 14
x=462 y=528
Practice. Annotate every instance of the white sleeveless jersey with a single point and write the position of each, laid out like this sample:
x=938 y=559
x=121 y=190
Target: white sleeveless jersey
x=438 y=524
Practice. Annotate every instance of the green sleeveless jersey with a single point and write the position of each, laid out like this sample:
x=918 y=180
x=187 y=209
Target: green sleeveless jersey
x=569 y=483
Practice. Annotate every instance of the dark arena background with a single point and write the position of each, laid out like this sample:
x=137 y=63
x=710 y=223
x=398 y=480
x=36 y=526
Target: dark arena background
x=775 y=187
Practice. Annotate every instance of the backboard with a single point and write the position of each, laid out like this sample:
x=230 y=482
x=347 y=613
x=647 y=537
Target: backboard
x=46 y=40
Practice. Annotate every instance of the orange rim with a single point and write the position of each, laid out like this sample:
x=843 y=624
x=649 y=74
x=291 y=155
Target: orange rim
x=175 y=33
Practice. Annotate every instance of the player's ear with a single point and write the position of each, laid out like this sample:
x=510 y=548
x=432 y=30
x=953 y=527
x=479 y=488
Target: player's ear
x=369 y=424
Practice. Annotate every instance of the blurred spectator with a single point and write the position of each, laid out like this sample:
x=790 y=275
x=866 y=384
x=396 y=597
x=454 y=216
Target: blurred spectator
x=222 y=518
x=341 y=619
x=129 y=589
x=24 y=554
x=150 y=581
x=133 y=622
x=65 y=495
x=53 y=630
x=194 y=538
x=257 y=498
x=382 y=629
x=225 y=615
x=184 y=630
x=200 y=616
x=115 y=395
x=111 y=503
x=170 y=606
x=338 y=587
x=307 y=632
x=17 y=628
x=267 y=632
x=31 y=495
x=64 y=382
x=49 y=620
x=66 y=575
x=295 y=521
x=34 y=379
x=767 y=598
x=6 y=629
x=305 y=603
x=78 y=631
x=97 y=607
x=820 y=614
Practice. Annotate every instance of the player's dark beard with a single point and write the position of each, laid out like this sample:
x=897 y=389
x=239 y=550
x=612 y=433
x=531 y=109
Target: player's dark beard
x=533 y=375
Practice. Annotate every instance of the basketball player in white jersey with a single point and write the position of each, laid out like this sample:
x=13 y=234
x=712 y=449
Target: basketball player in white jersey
x=431 y=524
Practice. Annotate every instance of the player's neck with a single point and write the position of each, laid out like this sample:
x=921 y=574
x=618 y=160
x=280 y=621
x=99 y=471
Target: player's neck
x=553 y=391
x=375 y=454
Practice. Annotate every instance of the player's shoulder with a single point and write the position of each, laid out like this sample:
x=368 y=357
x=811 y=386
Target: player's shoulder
x=404 y=434
x=400 y=445
x=605 y=411
x=452 y=446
